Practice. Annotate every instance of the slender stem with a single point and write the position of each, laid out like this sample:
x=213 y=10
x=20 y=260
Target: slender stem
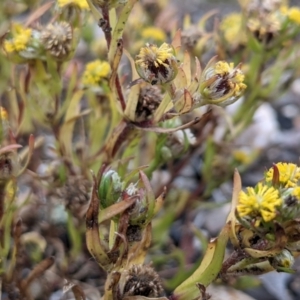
x=2 y=198
x=105 y=25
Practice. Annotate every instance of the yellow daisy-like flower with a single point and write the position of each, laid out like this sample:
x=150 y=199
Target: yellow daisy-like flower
x=231 y=27
x=259 y=201
x=82 y=4
x=289 y=174
x=156 y=65
x=20 y=39
x=95 y=72
x=221 y=83
x=153 y=33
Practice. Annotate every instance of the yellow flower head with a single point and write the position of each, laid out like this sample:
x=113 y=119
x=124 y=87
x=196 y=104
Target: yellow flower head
x=222 y=84
x=95 y=72
x=259 y=201
x=82 y=4
x=156 y=65
x=3 y=114
x=296 y=192
x=231 y=27
x=153 y=33
x=289 y=174
x=20 y=39
x=293 y=14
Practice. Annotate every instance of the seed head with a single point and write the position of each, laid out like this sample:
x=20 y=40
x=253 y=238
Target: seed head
x=58 y=39
x=141 y=280
x=149 y=100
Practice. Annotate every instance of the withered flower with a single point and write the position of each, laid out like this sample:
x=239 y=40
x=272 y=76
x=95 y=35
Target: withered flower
x=76 y=194
x=191 y=36
x=265 y=28
x=58 y=39
x=148 y=101
x=157 y=65
x=221 y=83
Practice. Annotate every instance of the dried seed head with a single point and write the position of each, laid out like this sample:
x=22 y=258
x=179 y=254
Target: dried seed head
x=58 y=39
x=190 y=36
x=149 y=100
x=141 y=280
x=76 y=194
x=134 y=233
x=157 y=65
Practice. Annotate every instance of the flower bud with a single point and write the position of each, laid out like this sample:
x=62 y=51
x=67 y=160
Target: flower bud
x=157 y=65
x=284 y=259
x=221 y=83
x=110 y=188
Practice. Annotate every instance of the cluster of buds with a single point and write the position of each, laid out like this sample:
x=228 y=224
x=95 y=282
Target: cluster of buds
x=268 y=228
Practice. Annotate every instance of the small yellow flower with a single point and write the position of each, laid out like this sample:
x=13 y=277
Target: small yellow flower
x=221 y=83
x=156 y=65
x=82 y=4
x=20 y=39
x=289 y=174
x=3 y=114
x=293 y=14
x=95 y=72
x=296 y=192
x=153 y=33
x=260 y=201
x=231 y=27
